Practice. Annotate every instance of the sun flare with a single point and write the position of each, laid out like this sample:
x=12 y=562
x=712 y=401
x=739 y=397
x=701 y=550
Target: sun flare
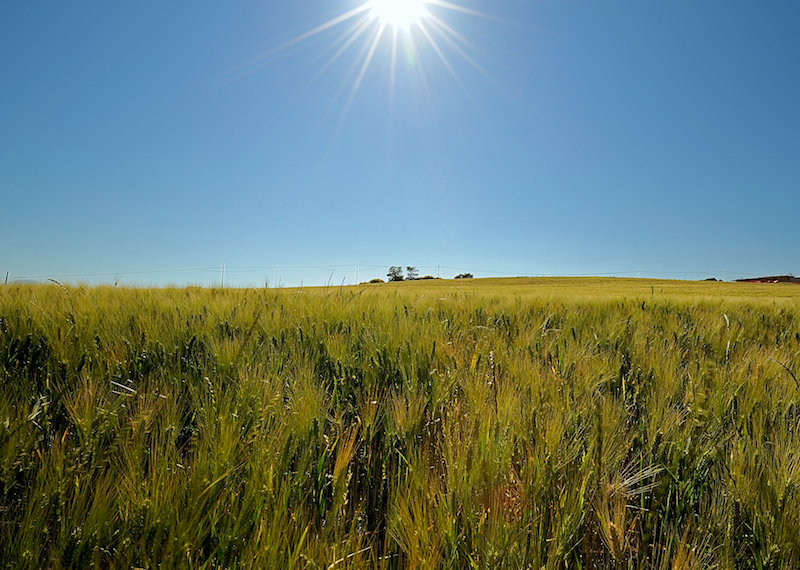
x=375 y=23
x=399 y=14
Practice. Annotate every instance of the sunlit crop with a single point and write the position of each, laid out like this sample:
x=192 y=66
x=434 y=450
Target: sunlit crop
x=536 y=423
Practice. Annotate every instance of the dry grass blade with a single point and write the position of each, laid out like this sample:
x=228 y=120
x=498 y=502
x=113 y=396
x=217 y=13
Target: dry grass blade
x=782 y=365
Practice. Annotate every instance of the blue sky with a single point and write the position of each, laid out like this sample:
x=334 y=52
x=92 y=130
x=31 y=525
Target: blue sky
x=581 y=137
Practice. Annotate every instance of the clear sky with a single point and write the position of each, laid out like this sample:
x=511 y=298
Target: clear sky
x=499 y=137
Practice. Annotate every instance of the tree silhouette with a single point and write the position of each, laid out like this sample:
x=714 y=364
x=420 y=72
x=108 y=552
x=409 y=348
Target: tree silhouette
x=395 y=273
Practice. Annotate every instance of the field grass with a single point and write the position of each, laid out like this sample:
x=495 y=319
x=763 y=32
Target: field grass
x=492 y=423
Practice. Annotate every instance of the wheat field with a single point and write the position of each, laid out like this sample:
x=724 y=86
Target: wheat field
x=485 y=423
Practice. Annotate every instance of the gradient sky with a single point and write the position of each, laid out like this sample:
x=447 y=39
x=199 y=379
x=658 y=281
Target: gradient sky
x=597 y=137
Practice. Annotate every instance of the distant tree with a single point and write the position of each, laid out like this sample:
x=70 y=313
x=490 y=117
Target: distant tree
x=464 y=276
x=395 y=273
x=411 y=272
x=376 y=280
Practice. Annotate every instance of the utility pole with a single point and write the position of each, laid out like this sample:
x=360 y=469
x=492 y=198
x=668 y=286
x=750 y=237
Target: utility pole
x=6 y=277
x=276 y=277
x=438 y=271
x=222 y=283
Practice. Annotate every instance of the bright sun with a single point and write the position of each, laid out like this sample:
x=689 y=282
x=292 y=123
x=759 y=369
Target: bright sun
x=399 y=14
x=371 y=20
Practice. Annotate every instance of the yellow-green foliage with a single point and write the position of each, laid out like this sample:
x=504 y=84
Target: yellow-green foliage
x=510 y=423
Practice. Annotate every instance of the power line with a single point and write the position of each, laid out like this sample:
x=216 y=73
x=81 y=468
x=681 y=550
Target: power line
x=347 y=268
x=117 y=273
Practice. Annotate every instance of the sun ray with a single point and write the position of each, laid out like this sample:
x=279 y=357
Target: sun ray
x=359 y=28
x=366 y=25
x=367 y=60
x=266 y=58
x=446 y=63
x=357 y=63
x=439 y=25
x=393 y=70
x=418 y=64
x=343 y=116
x=351 y=34
x=469 y=11
x=321 y=28
x=363 y=21
x=352 y=70
x=451 y=31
